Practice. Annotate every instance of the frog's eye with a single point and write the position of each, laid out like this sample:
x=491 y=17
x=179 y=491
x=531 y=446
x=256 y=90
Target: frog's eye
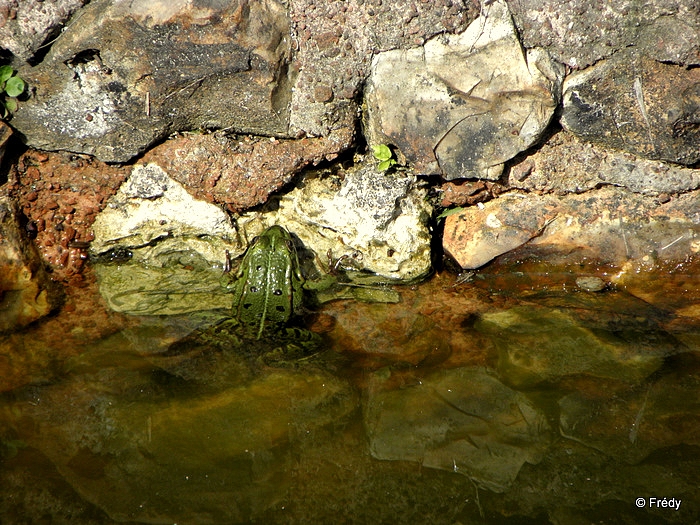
x=277 y=292
x=290 y=244
x=253 y=289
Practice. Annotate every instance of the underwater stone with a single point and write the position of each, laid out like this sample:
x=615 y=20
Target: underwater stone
x=165 y=459
x=539 y=344
x=633 y=424
x=462 y=420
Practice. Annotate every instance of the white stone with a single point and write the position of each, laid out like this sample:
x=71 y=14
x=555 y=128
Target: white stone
x=463 y=104
x=150 y=207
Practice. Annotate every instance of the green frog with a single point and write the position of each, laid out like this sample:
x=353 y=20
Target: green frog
x=268 y=289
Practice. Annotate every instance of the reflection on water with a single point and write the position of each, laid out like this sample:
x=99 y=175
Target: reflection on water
x=462 y=404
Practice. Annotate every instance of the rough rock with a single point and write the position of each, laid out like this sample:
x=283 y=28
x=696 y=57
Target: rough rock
x=566 y=164
x=580 y=34
x=545 y=344
x=240 y=172
x=163 y=251
x=609 y=225
x=150 y=206
x=177 y=247
x=462 y=105
x=5 y=134
x=26 y=290
x=377 y=219
x=26 y=25
x=636 y=104
x=479 y=234
x=61 y=194
x=461 y=420
x=131 y=73
x=334 y=44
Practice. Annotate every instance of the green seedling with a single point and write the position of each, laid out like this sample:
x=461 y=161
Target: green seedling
x=447 y=212
x=11 y=86
x=384 y=155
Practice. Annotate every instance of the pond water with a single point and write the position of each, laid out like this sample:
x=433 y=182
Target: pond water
x=516 y=397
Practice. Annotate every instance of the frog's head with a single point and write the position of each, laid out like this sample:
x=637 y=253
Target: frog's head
x=274 y=238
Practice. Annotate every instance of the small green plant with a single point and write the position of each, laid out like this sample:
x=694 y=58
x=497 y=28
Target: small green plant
x=11 y=86
x=447 y=212
x=384 y=155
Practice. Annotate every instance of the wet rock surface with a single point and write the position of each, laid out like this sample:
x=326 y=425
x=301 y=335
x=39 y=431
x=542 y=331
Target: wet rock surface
x=26 y=290
x=570 y=344
x=609 y=225
x=647 y=418
x=153 y=241
x=463 y=421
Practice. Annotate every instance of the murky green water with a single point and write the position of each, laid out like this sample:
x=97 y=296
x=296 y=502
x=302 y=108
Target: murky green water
x=515 y=398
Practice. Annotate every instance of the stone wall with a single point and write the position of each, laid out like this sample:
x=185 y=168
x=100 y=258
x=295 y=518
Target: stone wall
x=577 y=124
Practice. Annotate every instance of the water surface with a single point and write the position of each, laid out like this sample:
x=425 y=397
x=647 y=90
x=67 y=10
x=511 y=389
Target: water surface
x=516 y=397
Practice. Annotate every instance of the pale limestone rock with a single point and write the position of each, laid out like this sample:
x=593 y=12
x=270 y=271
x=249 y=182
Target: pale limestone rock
x=610 y=225
x=151 y=209
x=178 y=246
x=479 y=234
x=379 y=220
x=462 y=105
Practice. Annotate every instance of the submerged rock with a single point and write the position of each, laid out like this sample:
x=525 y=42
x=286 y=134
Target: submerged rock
x=144 y=453
x=26 y=290
x=633 y=103
x=539 y=344
x=461 y=420
x=462 y=105
x=632 y=425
